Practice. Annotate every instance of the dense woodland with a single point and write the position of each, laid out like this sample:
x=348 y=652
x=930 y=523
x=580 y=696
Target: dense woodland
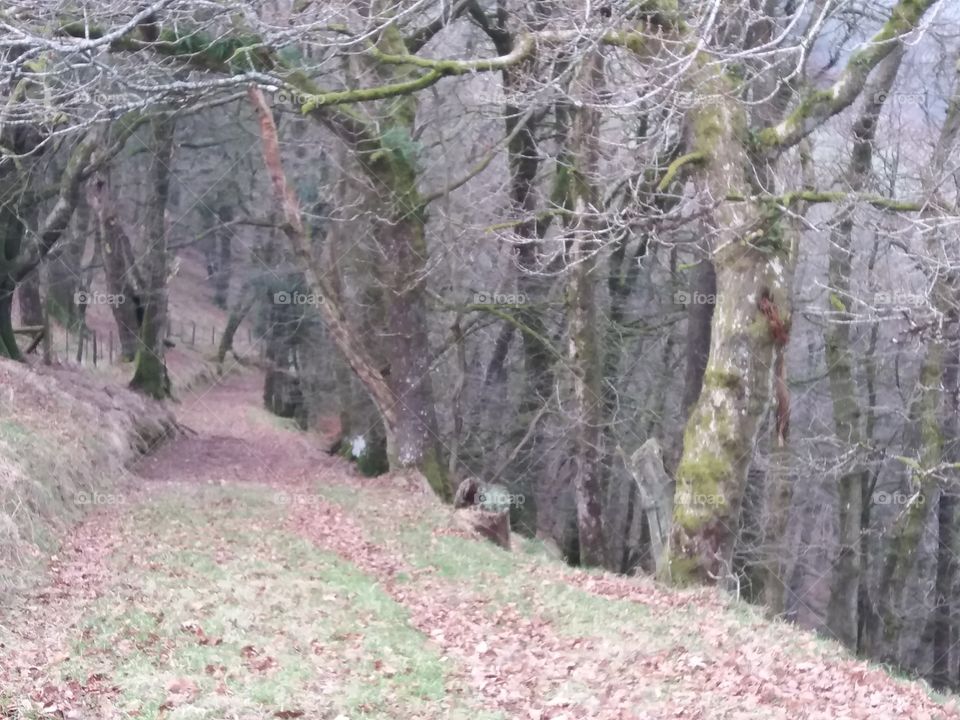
x=673 y=283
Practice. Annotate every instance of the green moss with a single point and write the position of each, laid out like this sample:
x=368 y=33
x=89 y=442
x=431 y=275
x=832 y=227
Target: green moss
x=769 y=138
x=700 y=482
x=234 y=54
x=374 y=460
x=436 y=475
x=661 y=13
x=707 y=129
x=836 y=303
x=676 y=165
x=682 y=571
x=722 y=379
x=705 y=474
x=150 y=375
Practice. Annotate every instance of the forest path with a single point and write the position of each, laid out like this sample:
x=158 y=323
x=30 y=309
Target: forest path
x=243 y=573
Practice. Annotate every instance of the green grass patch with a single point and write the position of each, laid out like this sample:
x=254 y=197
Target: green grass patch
x=249 y=620
x=504 y=577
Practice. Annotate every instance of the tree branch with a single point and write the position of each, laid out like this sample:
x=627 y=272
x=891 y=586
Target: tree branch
x=824 y=104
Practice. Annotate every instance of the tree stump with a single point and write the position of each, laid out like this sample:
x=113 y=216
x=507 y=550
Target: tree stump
x=491 y=526
x=471 y=515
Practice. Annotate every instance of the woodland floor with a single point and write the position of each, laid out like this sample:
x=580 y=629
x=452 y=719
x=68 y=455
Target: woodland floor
x=242 y=573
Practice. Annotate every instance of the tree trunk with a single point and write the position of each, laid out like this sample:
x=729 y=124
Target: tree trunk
x=947 y=539
x=927 y=408
x=908 y=531
x=31 y=303
x=943 y=589
x=224 y=254
x=12 y=232
x=118 y=270
x=842 y=610
x=403 y=392
x=751 y=317
x=699 y=315
x=584 y=355
x=150 y=373
x=64 y=270
x=412 y=432
x=778 y=498
x=245 y=301
x=750 y=320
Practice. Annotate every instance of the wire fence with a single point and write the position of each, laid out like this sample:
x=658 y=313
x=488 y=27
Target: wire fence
x=88 y=347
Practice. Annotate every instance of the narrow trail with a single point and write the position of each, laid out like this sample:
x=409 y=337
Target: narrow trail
x=246 y=574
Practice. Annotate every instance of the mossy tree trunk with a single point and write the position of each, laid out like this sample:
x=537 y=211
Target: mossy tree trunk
x=150 y=373
x=413 y=439
x=908 y=530
x=63 y=268
x=584 y=349
x=751 y=316
x=402 y=391
x=842 y=611
x=931 y=412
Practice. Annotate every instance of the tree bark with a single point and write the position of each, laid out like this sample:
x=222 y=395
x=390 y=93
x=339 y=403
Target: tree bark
x=585 y=358
x=119 y=271
x=12 y=232
x=150 y=373
x=751 y=254
x=403 y=394
x=927 y=409
x=842 y=610
x=31 y=302
x=63 y=270
x=247 y=297
x=224 y=255
x=699 y=315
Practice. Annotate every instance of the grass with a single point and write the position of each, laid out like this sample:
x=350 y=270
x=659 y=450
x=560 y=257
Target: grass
x=214 y=607
x=505 y=578
x=252 y=620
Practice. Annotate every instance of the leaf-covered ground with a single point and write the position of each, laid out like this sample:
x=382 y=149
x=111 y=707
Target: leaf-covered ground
x=244 y=574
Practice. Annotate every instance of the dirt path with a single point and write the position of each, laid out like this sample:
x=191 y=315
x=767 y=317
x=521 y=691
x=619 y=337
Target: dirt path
x=244 y=574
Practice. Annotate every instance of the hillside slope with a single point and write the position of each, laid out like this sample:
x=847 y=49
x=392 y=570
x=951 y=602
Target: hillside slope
x=248 y=575
x=66 y=437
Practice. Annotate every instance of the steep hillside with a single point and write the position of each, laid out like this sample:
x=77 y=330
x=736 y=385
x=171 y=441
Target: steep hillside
x=66 y=438
x=246 y=574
